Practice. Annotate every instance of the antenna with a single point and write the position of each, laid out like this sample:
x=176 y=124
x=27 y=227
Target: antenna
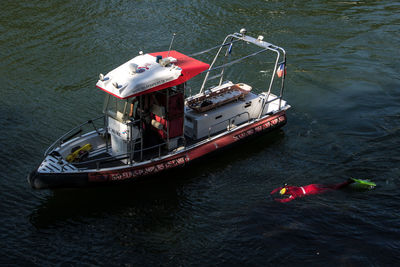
x=170 y=45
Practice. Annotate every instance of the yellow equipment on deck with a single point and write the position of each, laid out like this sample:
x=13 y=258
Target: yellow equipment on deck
x=75 y=155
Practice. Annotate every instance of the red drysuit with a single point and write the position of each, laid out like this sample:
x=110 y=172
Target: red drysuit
x=294 y=192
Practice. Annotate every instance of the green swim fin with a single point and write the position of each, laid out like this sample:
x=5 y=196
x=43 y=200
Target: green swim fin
x=363 y=184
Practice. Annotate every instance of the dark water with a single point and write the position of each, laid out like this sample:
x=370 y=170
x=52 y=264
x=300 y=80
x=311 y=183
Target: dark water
x=343 y=85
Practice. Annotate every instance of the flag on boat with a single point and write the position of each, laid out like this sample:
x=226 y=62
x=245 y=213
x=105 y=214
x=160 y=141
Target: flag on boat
x=281 y=69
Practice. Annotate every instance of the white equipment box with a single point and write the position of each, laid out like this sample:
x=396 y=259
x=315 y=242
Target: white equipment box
x=199 y=125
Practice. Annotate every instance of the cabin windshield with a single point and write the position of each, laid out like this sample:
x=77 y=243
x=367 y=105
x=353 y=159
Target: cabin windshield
x=119 y=109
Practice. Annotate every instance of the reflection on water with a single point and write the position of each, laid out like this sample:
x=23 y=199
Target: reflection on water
x=130 y=201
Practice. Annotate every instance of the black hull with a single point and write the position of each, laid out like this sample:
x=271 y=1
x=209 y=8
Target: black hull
x=47 y=181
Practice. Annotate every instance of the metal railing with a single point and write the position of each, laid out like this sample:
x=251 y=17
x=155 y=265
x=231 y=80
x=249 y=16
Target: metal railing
x=242 y=37
x=72 y=133
x=78 y=130
x=266 y=102
x=110 y=159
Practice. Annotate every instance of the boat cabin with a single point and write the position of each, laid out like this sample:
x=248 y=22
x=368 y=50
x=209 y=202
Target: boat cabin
x=145 y=121
x=144 y=106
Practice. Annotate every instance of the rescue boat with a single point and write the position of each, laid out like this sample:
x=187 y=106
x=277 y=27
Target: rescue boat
x=148 y=126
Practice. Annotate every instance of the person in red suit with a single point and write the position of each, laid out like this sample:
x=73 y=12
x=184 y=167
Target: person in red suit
x=293 y=192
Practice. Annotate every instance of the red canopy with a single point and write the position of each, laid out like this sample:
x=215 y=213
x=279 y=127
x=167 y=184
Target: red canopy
x=190 y=68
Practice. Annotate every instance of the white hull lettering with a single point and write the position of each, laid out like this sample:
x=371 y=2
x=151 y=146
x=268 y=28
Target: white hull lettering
x=259 y=128
x=118 y=176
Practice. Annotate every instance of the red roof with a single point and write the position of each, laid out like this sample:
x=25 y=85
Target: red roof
x=190 y=68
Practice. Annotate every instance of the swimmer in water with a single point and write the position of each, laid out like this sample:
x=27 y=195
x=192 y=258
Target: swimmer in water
x=293 y=192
